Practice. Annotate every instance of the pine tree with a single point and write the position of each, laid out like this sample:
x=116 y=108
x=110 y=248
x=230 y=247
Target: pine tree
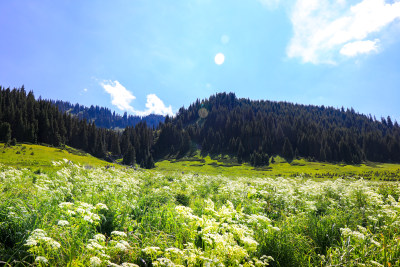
x=240 y=152
x=129 y=157
x=287 y=150
x=5 y=132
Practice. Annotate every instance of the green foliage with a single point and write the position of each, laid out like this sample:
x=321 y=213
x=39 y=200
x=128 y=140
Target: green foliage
x=13 y=142
x=287 y=150
x=5 y=132
x=75 y=216
x=42 y=157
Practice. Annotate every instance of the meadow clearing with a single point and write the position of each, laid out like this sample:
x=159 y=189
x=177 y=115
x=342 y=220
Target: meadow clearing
x=71 y=215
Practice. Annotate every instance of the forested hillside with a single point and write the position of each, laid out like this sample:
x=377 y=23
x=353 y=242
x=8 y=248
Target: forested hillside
x=104 y=118
x=25 y=119
x=254 y=130
x=251 y=131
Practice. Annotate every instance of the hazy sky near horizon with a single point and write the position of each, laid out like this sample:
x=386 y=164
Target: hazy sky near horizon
x=157 y=56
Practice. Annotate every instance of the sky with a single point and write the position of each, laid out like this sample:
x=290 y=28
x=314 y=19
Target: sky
x=142 y=57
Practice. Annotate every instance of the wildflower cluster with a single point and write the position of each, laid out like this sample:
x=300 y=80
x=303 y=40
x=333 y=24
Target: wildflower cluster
x=111 y=217
x=81 y=211
x=220 y=237
x=40 y=244
x=102 y=250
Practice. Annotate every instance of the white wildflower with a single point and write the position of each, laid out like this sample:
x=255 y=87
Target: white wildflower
x=126 y=244
x=30 y=242
x=41 y=259
x=71 y=212
x=101 y=206
x=118 y=233
x=175 y=251
x=63 y=223
x=95 y=261
x=54 y=244
x=100 y=237
x=120 y=246
x=80 y=210
x=95 y=217
x=88 y=218
x=151 y=250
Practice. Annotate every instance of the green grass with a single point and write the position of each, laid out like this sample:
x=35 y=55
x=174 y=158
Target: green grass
x=112 y=217
x=299 y=167
x=41 y=157
x=194 y=212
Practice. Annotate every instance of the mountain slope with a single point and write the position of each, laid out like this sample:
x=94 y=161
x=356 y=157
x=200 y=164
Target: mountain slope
x=254 y=130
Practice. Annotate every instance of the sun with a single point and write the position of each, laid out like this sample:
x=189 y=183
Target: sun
x=219 y=59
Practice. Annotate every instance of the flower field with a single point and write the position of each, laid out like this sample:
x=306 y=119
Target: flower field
x=108 y=217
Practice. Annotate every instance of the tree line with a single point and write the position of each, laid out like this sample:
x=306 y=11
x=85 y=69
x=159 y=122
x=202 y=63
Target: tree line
x=251 y=131
x=25 y=119
x=254 y=130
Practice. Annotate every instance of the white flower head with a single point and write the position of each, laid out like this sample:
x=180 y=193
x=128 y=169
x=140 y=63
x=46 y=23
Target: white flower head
x=101 y=206
x=63 y=223
x=100 y=237
x=41 y=259
x=118 y=233
x=95 y=261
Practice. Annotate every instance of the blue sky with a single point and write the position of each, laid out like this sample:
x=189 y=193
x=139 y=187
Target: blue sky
x=156 y=56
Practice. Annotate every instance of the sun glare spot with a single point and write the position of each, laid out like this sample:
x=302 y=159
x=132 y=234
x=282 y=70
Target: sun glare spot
x=219 y=59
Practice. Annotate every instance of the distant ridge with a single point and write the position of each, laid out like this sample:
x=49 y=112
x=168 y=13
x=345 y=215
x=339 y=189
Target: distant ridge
x=104 y=118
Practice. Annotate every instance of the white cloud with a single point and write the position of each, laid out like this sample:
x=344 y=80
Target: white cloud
x=270 y=3
x=122 y=98
x=156 y=106
x=359 y=47
x=85 y=89
x=323 y=27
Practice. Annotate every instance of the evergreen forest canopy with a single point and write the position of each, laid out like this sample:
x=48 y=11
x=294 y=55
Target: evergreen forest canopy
x=104 y=118
x=252 y=131
x=25 y=119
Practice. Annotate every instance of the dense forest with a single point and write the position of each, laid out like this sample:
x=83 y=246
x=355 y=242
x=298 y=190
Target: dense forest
x=251 y=131
x=255 y=130
x=104 y=118
x=25 y=119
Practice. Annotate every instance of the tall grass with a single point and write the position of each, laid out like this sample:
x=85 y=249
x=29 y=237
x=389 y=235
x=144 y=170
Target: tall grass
x=109 y=217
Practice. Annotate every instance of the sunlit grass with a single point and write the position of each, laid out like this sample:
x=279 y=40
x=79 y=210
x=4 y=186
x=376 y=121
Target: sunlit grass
x=111 y=217
x=223 y=165
x=41 y=157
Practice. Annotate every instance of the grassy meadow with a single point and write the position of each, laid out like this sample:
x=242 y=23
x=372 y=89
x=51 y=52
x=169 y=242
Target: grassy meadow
x=38 y=157
x=183 y=215
x=223 y=165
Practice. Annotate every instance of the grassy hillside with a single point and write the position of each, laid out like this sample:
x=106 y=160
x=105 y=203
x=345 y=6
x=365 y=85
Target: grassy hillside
x=41 y=157
x=280 y=168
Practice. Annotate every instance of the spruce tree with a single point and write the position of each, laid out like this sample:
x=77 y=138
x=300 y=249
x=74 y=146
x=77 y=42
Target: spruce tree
x=5 y=132
x=287 y=150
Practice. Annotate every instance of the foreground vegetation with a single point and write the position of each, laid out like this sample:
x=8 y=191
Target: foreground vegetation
x=111 y=217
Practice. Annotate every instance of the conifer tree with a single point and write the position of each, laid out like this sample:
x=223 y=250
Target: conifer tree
x=287 y=150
